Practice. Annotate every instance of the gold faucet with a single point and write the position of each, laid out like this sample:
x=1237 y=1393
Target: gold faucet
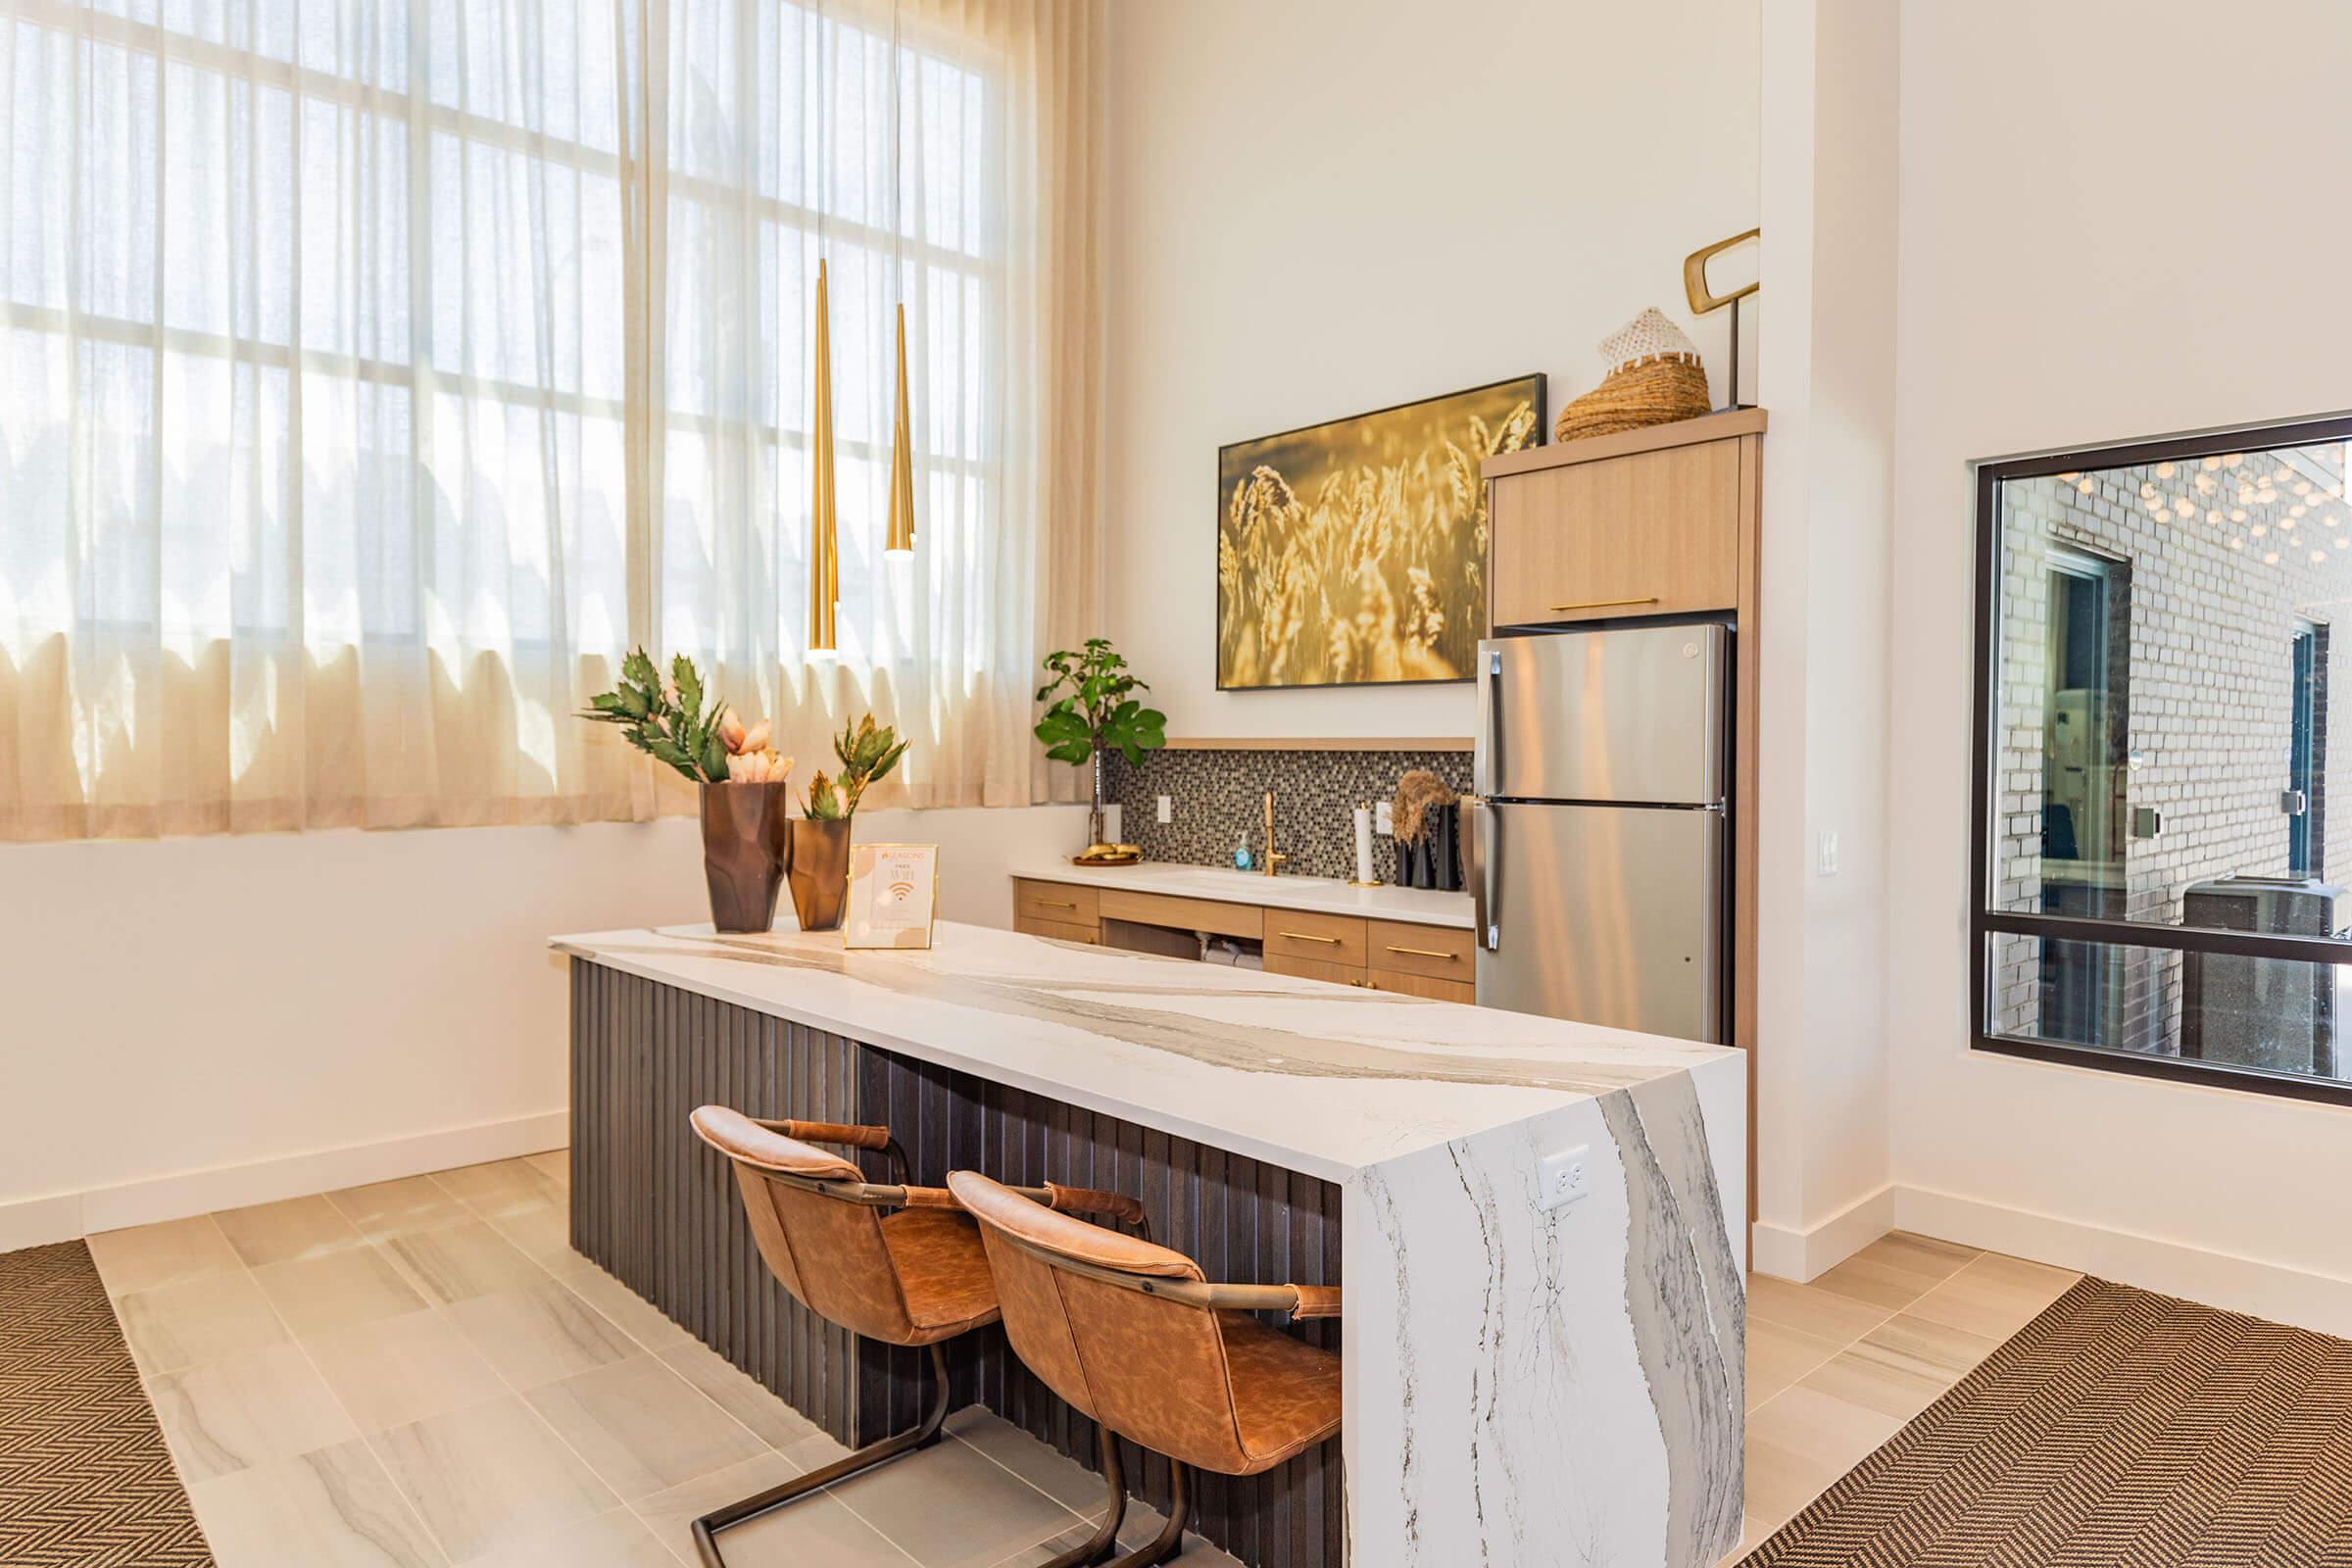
x=1273 y=857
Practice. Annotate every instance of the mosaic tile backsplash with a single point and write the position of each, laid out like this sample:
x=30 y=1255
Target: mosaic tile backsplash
x=1216 y=796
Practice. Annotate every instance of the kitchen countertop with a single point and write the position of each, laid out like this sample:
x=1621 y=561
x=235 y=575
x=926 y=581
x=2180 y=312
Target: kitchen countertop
x=1320 y=1078
x=1316 y=894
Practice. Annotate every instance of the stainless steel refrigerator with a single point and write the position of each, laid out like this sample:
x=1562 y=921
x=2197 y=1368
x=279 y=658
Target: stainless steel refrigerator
x=1598 y=840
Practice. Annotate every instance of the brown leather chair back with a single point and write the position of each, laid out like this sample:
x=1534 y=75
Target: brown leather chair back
x=802 y=1205
x=1149 y=1367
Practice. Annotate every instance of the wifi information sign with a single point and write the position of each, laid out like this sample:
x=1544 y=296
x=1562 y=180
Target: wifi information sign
x=892 y=890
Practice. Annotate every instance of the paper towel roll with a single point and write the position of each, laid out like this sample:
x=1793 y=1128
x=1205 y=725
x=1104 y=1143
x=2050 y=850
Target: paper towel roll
x=1363 y=844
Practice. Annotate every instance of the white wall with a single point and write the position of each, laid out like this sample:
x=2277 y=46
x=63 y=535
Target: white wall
x=2101 y=238
x=1320 y=208
x=1827 y=376
x=196 y=1023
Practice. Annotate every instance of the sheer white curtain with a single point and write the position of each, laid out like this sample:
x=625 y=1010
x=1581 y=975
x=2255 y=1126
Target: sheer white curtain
x=780 y=145
x=373 y=373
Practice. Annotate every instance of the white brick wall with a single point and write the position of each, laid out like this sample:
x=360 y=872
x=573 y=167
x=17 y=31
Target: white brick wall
x=2214 y=582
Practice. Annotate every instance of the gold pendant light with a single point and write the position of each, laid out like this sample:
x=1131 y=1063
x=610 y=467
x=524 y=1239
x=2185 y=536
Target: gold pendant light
x=824 y=554
x=901 y=538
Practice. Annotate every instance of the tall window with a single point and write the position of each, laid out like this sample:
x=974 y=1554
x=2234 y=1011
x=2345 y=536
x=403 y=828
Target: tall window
x=2157 y=890
x=374 y=373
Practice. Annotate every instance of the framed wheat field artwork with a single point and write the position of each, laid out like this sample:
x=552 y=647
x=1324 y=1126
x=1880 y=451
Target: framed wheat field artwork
x=1354 y=553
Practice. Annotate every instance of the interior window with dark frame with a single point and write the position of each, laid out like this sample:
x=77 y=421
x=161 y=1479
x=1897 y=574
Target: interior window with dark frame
x=2156 y=887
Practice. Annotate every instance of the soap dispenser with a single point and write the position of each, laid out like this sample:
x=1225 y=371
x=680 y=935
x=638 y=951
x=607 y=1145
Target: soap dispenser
x=1241 y=854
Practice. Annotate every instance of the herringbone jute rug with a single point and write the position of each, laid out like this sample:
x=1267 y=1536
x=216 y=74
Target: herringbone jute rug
x=84 y=1478
x=2118 y=1430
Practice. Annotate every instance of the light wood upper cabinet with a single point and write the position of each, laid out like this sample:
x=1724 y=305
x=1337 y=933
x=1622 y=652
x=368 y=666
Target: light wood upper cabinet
x=1649 y=533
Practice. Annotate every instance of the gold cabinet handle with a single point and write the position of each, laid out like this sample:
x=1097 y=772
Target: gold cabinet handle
x=1303 y=936
x=1056 y=903
x=1606 y=604
x=1425 y=953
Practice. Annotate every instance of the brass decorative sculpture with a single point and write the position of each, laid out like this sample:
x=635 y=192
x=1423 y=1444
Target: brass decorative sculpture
x=1703 y=300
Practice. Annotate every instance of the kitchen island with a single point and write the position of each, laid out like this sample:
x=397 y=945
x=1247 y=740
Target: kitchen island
x=1524 y=1384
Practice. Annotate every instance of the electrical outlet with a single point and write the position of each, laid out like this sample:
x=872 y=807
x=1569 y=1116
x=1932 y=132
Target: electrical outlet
x=1829 y=854
x=1566 y=1176
x=1165 y=815
x=1382 y=820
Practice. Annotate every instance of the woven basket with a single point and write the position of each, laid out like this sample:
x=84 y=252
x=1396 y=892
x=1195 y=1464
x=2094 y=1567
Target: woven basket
x=1657 y=392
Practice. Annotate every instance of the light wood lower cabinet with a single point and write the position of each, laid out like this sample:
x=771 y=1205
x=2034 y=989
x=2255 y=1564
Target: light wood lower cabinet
x=1396 y=955
x=1058 y=930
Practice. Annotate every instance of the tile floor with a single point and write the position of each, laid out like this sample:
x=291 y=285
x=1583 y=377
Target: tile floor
x=423 y=1372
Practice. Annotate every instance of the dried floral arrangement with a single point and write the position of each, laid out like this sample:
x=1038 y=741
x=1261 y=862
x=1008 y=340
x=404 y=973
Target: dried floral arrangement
x=1418 y=792
x=866 y=752
x=679 y=722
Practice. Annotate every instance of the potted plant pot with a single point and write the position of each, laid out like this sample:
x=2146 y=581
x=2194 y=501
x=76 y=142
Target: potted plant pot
x=821 y=871
x=745 y=853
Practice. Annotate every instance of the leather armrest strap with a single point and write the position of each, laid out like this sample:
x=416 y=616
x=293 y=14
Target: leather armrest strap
x=1095 y=1201
x=833 y=1132
x=929 y=1197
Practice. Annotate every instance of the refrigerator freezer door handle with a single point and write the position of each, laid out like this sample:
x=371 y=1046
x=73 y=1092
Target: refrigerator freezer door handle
x=1486 y=760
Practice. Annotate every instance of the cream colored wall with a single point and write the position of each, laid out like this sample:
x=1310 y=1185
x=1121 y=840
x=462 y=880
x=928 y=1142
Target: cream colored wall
x=199 y=1022
x=2052 y=296
x=1320 y=208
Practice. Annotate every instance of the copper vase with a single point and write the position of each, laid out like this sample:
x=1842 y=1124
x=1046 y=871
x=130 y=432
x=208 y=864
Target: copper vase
x=746 y=850
x=820 y=872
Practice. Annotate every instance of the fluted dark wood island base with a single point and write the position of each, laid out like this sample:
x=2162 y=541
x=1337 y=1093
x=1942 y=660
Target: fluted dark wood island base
x=1512 y=1373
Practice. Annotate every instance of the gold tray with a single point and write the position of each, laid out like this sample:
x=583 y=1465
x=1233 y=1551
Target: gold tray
x=1107 y=855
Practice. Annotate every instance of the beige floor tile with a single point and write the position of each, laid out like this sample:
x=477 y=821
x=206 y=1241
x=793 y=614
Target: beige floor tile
x=502 y=1187
x=539 y=1334
x=411 y=1204
x=1896 y=1270
x=636 y=1316
x=1057 y=1476
x=1822 y=1314
x=1902 y=1366
x=456 y=1262
x=1996 y=1295
x=145 y=1257
x=490 y=1477
x=614 y=1539
x=227 y=1416
x=643 y=1428
x=356 y=1285
x=209 y=1318
x=770 y=1419
x=814 y=1530
x=555 y=1165
x=1778 y=1356
x=951 y=1507
x=400 y=1369
x=1754 y=1531
x=541 y=1231
x=297 y=1227
x=1801 y=1440
x=331 y=1508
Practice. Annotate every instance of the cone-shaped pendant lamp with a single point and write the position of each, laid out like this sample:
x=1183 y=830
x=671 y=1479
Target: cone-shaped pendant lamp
x=824 y=556
x=900 y=541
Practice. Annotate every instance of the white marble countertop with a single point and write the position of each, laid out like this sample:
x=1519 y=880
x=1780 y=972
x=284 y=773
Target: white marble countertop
x=1324 y=1079
x=1319 y=893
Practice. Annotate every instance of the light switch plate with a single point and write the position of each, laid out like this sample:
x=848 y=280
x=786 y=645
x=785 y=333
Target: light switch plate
x=1382 y=820
x=1165 y=816
x=1565 y=1177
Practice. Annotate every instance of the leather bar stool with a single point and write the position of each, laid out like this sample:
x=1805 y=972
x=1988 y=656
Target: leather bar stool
x=1134 y=1337
x=915 y=1275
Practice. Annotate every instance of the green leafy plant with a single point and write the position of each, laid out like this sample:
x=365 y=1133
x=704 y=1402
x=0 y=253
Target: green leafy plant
x=1093 y=709
x=867 y=752
x=677 y=723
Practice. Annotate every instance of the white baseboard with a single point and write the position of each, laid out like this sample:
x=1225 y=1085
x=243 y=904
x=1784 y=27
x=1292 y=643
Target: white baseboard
x=2303 y=1298
x=1788 y=1253
x=64 y=1217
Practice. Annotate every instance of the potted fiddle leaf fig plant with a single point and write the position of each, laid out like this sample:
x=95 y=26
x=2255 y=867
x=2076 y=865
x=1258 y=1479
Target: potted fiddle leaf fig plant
x=820 y=836
x=1093 y=711
x=742 y=781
